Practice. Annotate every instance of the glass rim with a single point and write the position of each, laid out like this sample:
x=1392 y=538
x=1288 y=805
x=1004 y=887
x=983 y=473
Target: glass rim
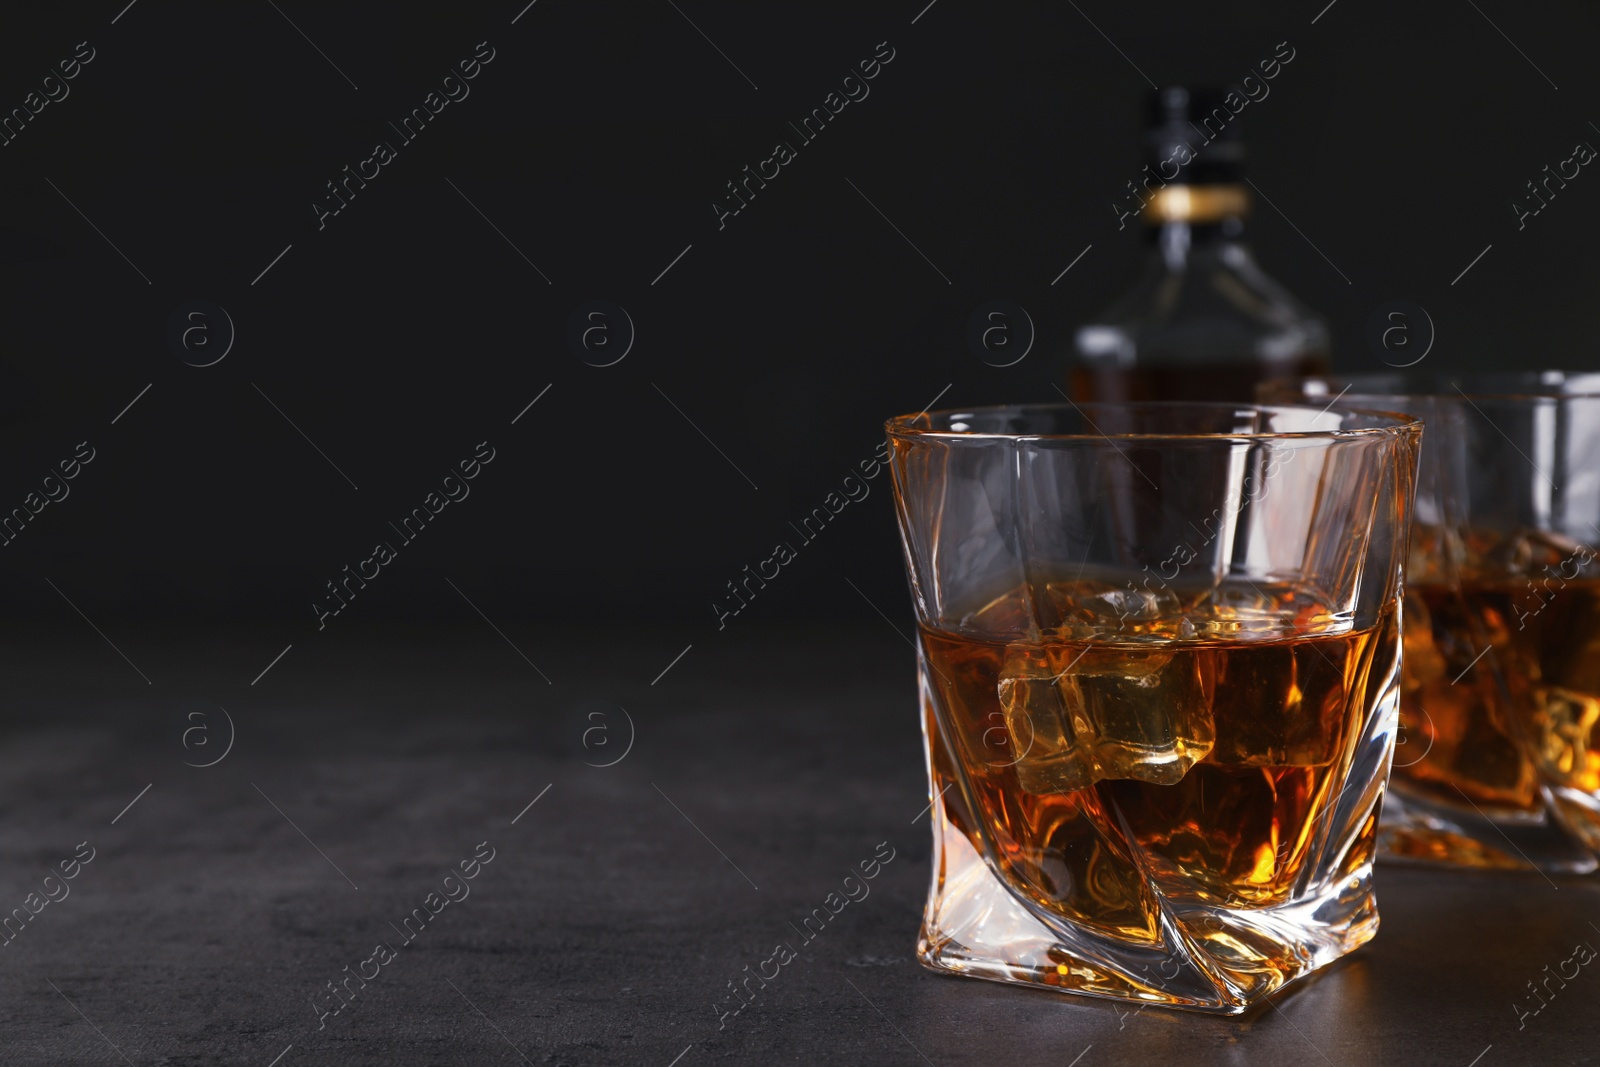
x=902 y=427
x=1365 y=386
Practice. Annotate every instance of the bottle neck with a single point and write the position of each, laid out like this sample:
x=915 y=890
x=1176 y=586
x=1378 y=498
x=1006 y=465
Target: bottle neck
x=1181 y=216
x=1182 y=237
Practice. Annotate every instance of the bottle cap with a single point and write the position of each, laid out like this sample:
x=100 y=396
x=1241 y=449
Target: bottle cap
x=1193 y=137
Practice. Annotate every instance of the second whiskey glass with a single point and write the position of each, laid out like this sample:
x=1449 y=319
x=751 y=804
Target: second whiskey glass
x=1498 y=764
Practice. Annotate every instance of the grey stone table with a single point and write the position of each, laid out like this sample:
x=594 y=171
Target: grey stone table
x=618 y=907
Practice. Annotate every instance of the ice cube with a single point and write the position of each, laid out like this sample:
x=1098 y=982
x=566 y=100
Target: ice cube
x=1243 y=599
x=1140 y=667
x=1530 y=551
x=1565 y=724
x=1077 y=714
x=1051 y=748
x=1129 y=609
x=1150 y=709
x=1254 y=608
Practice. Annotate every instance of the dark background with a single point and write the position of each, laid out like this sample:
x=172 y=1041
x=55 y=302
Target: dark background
x=408 y=330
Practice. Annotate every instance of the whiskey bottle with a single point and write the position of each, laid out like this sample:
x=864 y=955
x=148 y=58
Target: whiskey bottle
x=1204 y=322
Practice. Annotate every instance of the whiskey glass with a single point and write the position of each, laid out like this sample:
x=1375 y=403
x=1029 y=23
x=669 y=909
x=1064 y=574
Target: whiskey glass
x=1498 y=761
x=1159 y=672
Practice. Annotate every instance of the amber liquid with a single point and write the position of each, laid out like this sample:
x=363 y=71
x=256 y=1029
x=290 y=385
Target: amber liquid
x=1201 y=758
x=1188 y=381
x=1501 y=690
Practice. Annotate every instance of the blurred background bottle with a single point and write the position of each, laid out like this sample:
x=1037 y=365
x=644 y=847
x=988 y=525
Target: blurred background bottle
x=1204 y=322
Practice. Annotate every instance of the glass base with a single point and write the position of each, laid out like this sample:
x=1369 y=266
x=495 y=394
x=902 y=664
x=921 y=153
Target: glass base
x=1428 y=830
x=1210 y=959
